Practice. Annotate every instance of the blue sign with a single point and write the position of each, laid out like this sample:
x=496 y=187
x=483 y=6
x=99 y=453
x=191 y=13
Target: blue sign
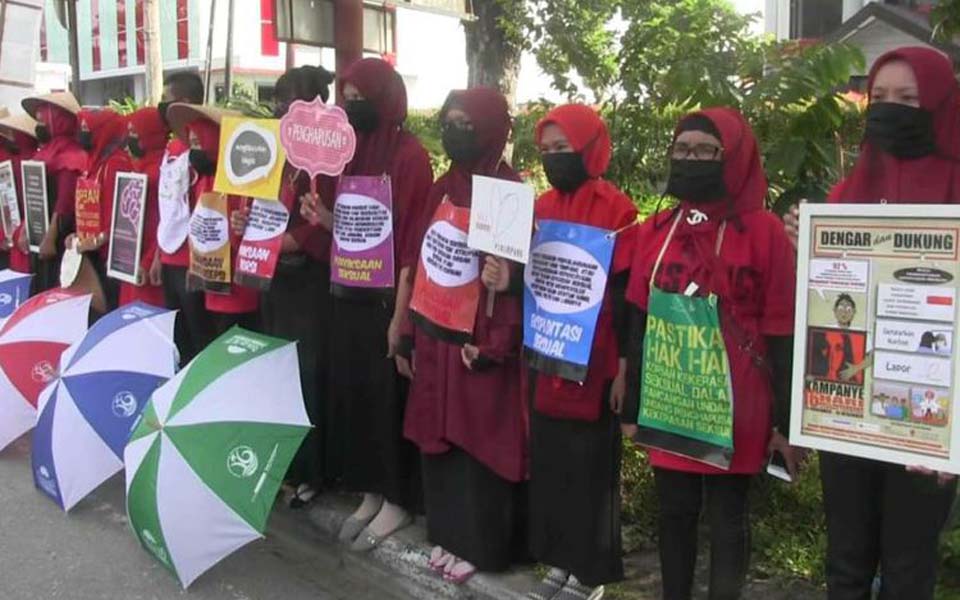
x=564 y=285
x=14 y=291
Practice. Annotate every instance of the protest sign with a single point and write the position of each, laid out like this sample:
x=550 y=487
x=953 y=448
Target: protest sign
x=446 y=292
x=564 y=284
x=260 y=248
x=126 y=227
x=210 y=245
x=9 y=204
x=874 y=355
x=251 y=158
x=501 y=218
x=362 y=253
x=36 y=210
x=317 y=137
x=87 y=208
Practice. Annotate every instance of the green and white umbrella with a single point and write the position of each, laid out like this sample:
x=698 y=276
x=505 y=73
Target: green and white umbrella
x=207 y=457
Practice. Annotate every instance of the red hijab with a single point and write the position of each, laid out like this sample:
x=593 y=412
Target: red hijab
x=488 y=110
x=597 y=202
x=62 y=152
x=108 y=130
x=149 y=127
x=880 y=176
x=742 y=170
x=379 y=83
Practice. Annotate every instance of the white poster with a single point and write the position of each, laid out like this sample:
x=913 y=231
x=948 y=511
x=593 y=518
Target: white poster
x=501 y=218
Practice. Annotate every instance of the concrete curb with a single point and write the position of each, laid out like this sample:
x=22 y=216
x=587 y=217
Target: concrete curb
x=403 y=557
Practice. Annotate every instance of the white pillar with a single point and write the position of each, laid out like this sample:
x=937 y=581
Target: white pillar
x=851 y=7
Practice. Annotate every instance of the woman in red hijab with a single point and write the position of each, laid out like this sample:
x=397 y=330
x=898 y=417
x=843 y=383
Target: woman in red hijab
x=574 y=503
x=465 y=410
x=65 y=159
x=880 y=513
x=719 y=243
x=146 y=142
x=17 y=138
x=367 y=394
x=101 y=135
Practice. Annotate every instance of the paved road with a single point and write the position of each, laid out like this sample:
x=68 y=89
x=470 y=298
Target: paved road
x=91 y=554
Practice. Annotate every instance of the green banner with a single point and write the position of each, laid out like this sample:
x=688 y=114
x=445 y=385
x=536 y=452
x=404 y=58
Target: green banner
x=686 y=375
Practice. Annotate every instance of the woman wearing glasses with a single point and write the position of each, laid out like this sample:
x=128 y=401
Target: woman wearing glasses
x=719 y=254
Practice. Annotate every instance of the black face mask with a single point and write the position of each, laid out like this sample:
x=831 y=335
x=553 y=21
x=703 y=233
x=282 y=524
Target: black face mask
x=460 y=145
x=43 y=133
x=565 y=170
x=362 y=115
x=201 y=163
x=162 y=107
x=133 y=147
x=86 y=140
x=901 y=130
x=280 y=109
x=697 y=181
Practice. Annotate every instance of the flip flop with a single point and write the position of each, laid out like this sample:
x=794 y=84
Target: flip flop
x=368 y=540
x=439 y=559
x=458 y=571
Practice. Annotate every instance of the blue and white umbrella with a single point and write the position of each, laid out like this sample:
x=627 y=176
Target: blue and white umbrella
x=85 y=416
x=14 y=291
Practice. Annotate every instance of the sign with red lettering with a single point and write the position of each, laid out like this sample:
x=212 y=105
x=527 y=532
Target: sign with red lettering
x=874 y=355
x=317 y=138
x=88 y=208
x=260 y=248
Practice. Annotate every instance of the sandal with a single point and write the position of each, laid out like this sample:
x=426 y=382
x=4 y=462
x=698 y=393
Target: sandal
x=458 y=571
x=303 y=496
x=439 y=558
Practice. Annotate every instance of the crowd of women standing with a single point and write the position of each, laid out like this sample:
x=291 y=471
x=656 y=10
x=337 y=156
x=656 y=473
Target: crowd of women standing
x=513 y=463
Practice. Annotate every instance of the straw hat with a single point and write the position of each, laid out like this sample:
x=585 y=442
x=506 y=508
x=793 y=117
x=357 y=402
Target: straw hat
x=4 y=112
x=64 y=100
x=180 y=114
x=22 y=122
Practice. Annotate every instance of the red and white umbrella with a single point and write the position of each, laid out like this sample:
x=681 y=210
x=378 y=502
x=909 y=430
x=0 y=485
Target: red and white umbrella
x=31 y=342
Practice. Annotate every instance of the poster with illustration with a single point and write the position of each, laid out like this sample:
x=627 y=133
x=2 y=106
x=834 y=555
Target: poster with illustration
x=210 y=245
x=875 y=319
x=9 y=204
x=362 y=252
x=36 y=210
x=251 y=158
x=126 y=228
x=501 y=218
x=446 y=291
x=564 y=282
x=259 y=249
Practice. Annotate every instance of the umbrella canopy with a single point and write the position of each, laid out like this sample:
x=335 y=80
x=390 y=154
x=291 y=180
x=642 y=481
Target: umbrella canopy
x=31 y=342
x=204 y=463
x=85 y=417
x=14 y=291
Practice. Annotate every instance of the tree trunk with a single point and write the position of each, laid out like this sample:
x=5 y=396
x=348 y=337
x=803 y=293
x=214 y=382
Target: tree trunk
x=493 y=59
x=154 y=55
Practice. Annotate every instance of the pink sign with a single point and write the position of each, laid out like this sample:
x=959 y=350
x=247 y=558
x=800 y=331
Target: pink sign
x=317 y=138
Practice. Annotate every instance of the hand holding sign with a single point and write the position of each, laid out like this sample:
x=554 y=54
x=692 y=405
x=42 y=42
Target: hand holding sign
x=501 y=221
x=317 y=138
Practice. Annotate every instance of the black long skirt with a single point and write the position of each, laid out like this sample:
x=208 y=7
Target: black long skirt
x=473 y=512
x=297 y=307
x=367 y=403
x=575 y=495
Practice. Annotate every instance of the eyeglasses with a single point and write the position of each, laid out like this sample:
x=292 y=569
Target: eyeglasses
x=683 y=151
x=456 y=124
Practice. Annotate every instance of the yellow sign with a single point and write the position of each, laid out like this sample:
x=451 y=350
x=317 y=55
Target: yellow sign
x=251 y=158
